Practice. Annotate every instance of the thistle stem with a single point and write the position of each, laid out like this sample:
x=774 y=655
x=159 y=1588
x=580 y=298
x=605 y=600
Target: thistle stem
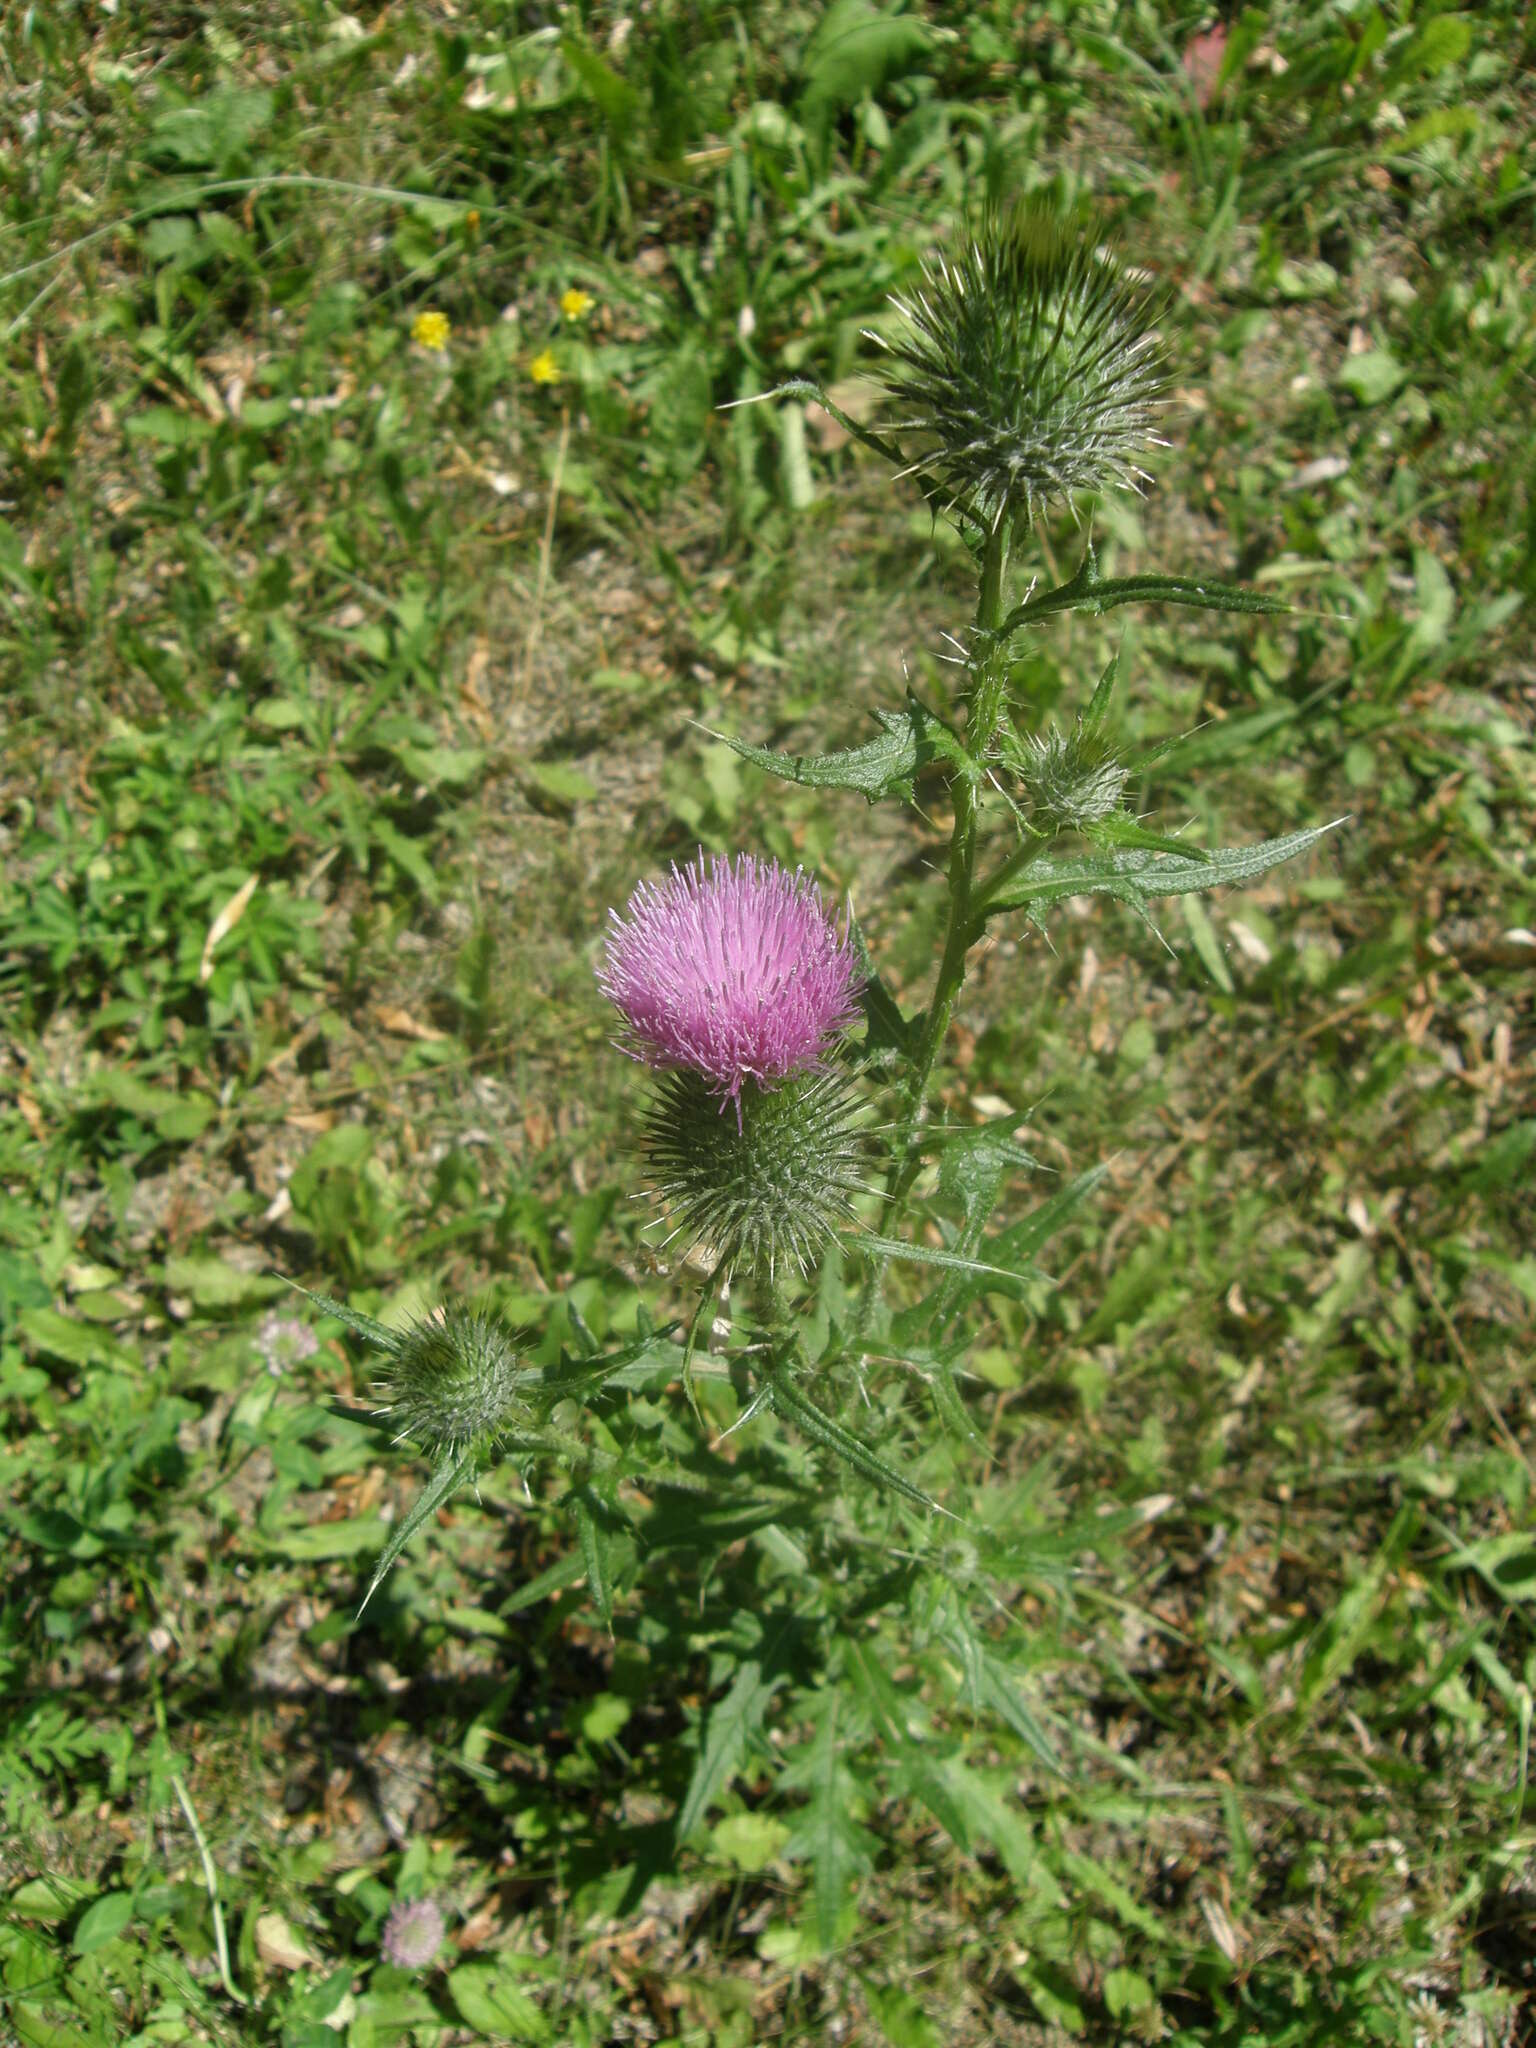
x=964 y=927
x=1023 y=855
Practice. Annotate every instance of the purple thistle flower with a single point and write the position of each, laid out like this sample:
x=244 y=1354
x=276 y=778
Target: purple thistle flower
x=413 y=1933
x=735 y=973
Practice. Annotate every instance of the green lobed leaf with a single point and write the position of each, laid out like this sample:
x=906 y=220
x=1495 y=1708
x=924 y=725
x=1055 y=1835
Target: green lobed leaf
x=1137 y=875
x=487 y=2000
x=635 y=1366
x=732 y=1724
x=898 y=2015
x=854 y=49
x=443 y=1484
x=973 y=1168
x=976 y=1159
x=993 y=1688
x=826 y=1835
x=709 y=1518
x=953 y=1413
x=966 y=1803
x=910 y=740
x=1093 y=1878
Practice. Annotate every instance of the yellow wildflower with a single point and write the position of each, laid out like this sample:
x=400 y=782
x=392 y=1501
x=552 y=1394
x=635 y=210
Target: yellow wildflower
x=575 y=303
x=544 y=369
x=431 y=331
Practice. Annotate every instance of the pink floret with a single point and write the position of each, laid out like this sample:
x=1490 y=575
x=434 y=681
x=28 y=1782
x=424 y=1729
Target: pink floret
x=734 y=972
x=413 y=1933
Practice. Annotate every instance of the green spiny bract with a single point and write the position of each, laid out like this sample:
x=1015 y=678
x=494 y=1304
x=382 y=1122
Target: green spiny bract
x=766 y=1188
x=453 y=1383
x=1029 y=370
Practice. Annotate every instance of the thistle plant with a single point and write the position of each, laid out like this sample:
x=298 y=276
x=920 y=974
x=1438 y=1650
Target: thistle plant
x=781 y=1148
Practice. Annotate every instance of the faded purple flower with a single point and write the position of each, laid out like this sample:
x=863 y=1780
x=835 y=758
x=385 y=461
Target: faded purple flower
x=413 y=1933
x=284 y=1341
x=735 y=973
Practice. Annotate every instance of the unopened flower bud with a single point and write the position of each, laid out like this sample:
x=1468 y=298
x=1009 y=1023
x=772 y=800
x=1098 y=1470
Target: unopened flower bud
x=1073 y=778
x=1028 y=369
x=453 y=1382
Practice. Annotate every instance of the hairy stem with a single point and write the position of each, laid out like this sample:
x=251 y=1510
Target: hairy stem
x=964 y=927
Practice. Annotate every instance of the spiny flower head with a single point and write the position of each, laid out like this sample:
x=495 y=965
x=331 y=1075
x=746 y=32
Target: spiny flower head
x=453 y=1380
x=544 y=369
x=413 y=1933
x=767 y=1186
x=732 y=972
x=1028 y=370
x=575 y=303
x=1073 y=777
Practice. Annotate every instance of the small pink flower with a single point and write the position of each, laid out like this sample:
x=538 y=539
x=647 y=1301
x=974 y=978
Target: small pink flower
x=284 y=1341
x=735 y=973
x=413 y=1933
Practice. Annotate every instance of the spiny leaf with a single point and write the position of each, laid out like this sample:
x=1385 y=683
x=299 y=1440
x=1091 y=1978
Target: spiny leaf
x=910 y=740
x=837 y=1848
x=443 y=1484
x=1088 y=591
x=654 y=1352
x=363 y=1326
x=1119 y=829
x=953 y=1412
x=966 y=1804
x=595 y=1534
x=565 y=1571
x=890 y=1709
x=931 y=1255
x=992 y=1688
x=1094 y=1878
x=973 y=1167
x=832 y=1436
x=976 y=1159
x=1104 y=690
x=888 y=1030
x=1136 y=875
x=1024 y=1238
x=731 y=1726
